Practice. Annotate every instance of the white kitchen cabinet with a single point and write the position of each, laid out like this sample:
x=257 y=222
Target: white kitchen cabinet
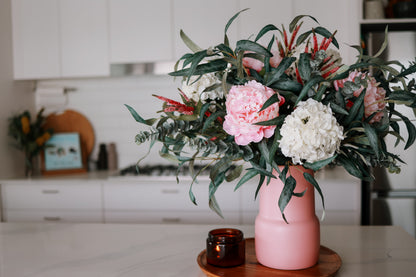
x=84 y=38
x=262 y=13
x=203 y=22
x=52 y=200
x=339 y=15
x=140 y=31
x=36 y=46
x=163 y=201
x=65 y=38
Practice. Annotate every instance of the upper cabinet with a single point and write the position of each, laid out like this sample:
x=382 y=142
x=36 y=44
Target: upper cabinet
x=203 y=22
x=76 y=38
x=36 y=39
x=84 y=38
x=140 y=31
x=262 y=13
x=65 y=38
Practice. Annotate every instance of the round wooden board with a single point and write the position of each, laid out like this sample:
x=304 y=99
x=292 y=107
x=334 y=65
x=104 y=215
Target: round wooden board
x=72 y=121
x=328 y=265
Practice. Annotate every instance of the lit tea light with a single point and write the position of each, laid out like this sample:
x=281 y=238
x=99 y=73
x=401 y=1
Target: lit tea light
x=225 y=247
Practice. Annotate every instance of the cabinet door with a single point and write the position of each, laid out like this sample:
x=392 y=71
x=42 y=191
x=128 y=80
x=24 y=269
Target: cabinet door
x=140 y=31
x=203 y=22
x=334 y=15
x=35 y=39
x=84 y=38
x=262 y=13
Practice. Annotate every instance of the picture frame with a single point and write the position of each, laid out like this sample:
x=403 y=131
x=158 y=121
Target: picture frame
x=63 y=154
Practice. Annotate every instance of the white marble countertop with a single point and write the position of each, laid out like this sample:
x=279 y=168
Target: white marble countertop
x=61 y=249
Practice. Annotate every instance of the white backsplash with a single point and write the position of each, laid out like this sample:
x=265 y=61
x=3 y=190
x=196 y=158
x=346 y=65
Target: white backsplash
x=102 y=102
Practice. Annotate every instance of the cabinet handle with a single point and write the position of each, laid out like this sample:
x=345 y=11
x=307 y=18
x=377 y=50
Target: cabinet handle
x=50 y=191
x=170 y=191
x=51 y=218
x=171 y=219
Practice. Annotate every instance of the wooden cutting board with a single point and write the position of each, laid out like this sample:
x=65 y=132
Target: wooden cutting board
x=71 y=121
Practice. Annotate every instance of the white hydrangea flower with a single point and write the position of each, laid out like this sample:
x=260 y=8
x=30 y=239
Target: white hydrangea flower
x=196 y=90
x=310 y=133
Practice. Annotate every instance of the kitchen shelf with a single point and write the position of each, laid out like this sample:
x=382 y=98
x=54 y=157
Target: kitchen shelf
x=379 y=25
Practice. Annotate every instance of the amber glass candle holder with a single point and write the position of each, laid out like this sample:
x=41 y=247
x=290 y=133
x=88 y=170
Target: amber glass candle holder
x=225 y=247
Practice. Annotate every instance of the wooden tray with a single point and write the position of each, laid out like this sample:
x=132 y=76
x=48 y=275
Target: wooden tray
x=328 y=265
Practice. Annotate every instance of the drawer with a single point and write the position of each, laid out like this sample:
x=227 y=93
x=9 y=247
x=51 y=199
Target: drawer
x=207 y=217
x=52 y=216
x=84 y=196
x=166 y=196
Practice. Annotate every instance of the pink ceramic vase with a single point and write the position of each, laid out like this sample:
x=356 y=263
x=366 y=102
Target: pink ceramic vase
x=293 y=245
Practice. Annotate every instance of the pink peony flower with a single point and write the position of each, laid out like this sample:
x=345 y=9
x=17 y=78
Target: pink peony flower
x=253 y=63
x=243 y=104
x=374 y=96
x=373 y=100
x=258 y=65
x=276 y=59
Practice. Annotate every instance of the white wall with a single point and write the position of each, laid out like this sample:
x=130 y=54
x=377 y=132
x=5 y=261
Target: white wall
x=14 y=97
x=102 y=102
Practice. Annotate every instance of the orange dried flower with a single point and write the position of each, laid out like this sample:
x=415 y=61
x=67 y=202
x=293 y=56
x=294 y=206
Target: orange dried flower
x=25 y=124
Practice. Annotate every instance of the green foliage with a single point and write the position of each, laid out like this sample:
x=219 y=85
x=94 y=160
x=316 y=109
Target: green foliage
x=29 y=136
x=192 y=131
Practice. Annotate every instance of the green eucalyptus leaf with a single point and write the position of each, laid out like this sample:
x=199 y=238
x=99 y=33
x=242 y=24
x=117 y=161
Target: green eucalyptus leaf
x=248 y=45
x=320 y=164
x=246 y=177
x=264 y=30
x=311 y=179
x=372 y=138
x=304 y=66
x=212 y=66
x=220 y=168
x=350 y=166
x=286 y=84
x=261 y=182
x=211 y=119
x=264 y=150
x=212 y=202
x=408 y=71
x=274 y=121
x=385 y=42
x=234 y=173
x=232 y=19
x=411 y=129
x=188 y=42
x=312 y=82
x=295 y=21
x=338 y=109
x=137 y=117
x=319 y=30
x=275 y=75
x=359 y=102
x=227 y=51
x=286 y=194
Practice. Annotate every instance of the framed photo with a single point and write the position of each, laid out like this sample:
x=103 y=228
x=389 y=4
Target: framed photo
x=63 y=153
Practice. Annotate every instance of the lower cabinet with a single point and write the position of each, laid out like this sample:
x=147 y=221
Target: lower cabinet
x=52 y=200
x=156 y=200
x=165 y=201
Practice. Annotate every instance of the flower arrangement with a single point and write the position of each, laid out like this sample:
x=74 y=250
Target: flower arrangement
x=291 y=102
x=30 y=137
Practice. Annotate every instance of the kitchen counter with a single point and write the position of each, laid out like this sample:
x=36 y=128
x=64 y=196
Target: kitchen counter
x=62 y=249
